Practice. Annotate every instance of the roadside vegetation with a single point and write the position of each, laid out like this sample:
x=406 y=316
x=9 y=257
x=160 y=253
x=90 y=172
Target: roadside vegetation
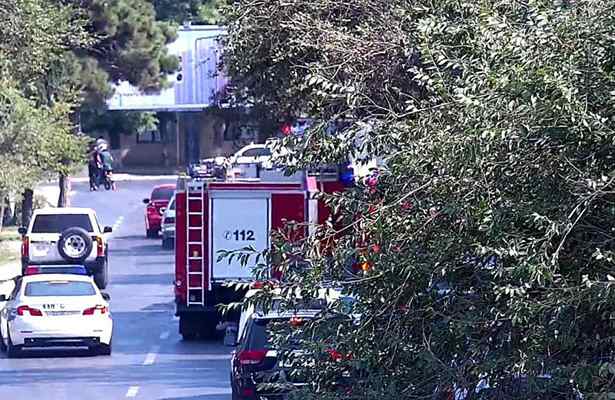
x=10 y=241
x=483 y=249
x=58 y=60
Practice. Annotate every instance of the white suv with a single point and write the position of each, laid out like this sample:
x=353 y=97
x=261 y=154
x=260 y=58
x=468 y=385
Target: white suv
x=67 y=235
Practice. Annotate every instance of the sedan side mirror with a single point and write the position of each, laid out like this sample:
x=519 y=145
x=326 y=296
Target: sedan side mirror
x=3 y=297
x=22 y=230
x=145 y=201
x=105 y=296
x=107 y=229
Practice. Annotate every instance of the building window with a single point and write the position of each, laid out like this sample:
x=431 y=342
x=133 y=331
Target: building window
x=153 y=136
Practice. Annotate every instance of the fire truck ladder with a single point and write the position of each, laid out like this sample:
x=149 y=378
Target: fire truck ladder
x=195 y=201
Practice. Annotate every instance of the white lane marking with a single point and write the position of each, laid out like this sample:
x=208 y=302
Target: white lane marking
x=164 y=335
x=117 y=224
x=132 y=391
x=150 y=358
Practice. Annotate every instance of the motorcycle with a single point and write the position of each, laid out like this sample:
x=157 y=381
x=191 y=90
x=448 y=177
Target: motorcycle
x=107 y=180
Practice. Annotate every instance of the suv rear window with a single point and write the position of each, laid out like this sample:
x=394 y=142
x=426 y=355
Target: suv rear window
x=162 y=193
x=56 y=223
x=258 y=336
x=59 y=288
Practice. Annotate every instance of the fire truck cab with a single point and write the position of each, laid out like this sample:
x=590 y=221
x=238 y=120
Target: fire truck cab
x=213 y=215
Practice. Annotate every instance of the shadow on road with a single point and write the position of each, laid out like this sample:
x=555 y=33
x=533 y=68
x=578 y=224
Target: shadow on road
x=140 y=250
x=55 y=353
x=143 y=279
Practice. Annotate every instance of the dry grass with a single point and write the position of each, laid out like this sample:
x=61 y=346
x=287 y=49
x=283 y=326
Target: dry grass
x=9 y=245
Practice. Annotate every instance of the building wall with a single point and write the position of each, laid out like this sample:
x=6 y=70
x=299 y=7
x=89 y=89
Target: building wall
x=154 y=154
x=203 y=129
x=209 y=130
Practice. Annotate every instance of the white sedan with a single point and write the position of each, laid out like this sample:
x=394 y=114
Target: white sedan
x=55 y=310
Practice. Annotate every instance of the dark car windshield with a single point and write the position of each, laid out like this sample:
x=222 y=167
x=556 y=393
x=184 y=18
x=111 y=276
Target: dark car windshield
x=162 y=193
x=59 y=288
x=258 y=336
x=257 y=152
x=56 y=223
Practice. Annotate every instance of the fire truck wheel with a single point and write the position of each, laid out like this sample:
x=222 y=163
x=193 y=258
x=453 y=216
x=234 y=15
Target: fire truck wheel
x=188 y=327
x=207 y=328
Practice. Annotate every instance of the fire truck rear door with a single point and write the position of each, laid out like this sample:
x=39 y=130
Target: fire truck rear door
x=238 y=220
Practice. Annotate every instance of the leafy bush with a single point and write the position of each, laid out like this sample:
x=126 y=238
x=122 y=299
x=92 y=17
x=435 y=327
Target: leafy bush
x=495 y=120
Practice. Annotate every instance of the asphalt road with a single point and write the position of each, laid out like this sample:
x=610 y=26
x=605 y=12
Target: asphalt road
x=149 y=361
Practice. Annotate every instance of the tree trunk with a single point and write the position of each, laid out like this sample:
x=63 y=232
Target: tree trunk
x=63 y=197
x=26 y=206
x=2 y=210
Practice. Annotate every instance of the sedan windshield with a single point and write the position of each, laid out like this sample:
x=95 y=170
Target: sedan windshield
x=57 y=223
x=162 y=193
x=59 y=288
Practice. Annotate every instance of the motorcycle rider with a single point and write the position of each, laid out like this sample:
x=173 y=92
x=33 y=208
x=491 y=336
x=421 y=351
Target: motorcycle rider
x=107 y=164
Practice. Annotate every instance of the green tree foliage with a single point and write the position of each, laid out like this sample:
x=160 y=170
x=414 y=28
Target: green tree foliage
x=129 y=44
x=180 y=11
x=35 y=36
x=485 y=247
x=35 y=142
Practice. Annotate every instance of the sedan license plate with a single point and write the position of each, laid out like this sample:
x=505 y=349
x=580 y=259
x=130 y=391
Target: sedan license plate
x=61 y=313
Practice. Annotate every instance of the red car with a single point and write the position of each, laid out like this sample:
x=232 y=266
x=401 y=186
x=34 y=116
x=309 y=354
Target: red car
x=156 y=204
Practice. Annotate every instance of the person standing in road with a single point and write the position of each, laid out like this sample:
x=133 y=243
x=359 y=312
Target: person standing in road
x=94 y=168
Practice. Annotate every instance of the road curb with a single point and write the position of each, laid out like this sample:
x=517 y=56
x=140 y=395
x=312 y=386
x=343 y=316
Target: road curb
x=130 y=178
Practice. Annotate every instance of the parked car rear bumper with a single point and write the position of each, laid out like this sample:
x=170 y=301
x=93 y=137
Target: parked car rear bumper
x=92 y=266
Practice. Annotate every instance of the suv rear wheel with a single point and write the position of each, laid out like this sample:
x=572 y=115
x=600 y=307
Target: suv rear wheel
x=75 y=244
x=101 y=278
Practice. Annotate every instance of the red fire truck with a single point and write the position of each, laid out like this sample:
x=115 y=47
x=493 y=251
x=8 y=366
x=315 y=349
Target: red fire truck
x=231 y=214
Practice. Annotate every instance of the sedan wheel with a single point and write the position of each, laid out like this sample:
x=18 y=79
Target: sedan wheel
x=12 y=351
x=2 y=344
x=102 y=349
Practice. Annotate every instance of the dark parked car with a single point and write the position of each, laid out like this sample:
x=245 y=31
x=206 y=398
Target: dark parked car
x=255 y=361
